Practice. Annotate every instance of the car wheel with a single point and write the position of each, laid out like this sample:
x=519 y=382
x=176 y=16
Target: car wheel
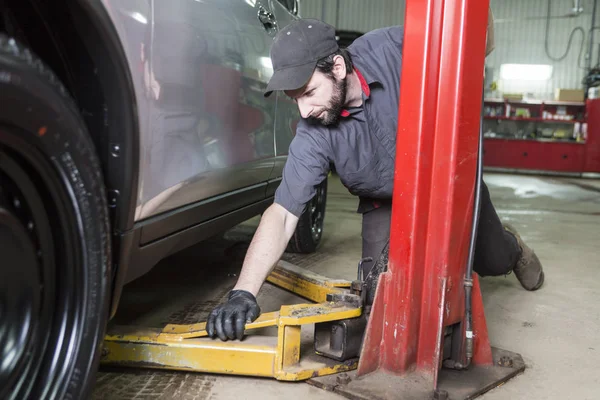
x=309 y=231
x=54 y=279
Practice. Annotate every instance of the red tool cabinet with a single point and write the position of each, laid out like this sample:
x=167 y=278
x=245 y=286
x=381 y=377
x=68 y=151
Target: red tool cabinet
x=559 y=137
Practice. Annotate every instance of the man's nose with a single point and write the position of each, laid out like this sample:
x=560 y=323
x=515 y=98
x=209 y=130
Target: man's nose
x=305 y=110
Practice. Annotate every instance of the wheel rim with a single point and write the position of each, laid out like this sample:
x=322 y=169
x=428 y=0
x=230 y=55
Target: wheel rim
x=317 y=213
x=39 y=297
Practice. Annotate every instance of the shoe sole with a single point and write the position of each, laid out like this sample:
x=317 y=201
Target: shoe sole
x=540 y=283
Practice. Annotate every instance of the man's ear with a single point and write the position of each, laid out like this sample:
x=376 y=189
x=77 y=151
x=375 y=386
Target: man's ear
x=339 y=67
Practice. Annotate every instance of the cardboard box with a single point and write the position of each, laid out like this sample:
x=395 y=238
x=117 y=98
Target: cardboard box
x=512 y=96
x=568 y=94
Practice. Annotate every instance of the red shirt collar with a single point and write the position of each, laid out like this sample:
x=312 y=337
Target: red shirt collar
x=364 y=86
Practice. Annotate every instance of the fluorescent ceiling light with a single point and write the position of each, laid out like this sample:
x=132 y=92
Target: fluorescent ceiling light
x=526 y=72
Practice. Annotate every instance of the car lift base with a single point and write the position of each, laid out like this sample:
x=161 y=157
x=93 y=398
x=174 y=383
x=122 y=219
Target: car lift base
x=452 y=384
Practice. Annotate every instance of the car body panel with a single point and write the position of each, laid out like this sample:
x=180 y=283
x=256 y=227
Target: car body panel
x=212 y=147
x=200 y=69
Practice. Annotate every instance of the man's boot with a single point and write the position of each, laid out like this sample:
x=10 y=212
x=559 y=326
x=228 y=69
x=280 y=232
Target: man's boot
x=528 y=268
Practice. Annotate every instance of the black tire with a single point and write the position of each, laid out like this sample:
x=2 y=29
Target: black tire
x=309 y=231
x=54 y=279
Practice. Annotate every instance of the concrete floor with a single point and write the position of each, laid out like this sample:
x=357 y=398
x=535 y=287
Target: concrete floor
x=554 y=329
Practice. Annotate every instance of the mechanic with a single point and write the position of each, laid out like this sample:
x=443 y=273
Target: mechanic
x=348 y=100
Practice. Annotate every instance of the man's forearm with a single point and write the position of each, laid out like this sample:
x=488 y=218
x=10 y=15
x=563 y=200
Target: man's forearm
x=270 y=240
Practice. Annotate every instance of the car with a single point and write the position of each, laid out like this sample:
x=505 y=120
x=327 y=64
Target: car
x=128 y=132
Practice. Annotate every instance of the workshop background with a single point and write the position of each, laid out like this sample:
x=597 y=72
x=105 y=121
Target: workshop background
x=521 y=30
x=553 y=107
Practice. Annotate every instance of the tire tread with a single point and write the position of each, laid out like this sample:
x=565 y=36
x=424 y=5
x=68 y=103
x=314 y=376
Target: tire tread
x=91 y=194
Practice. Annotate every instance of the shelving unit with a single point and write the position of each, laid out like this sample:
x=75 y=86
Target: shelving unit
x=545 y=136
x=535 y=119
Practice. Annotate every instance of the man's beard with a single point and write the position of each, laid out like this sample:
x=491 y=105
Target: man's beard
x=332 y=114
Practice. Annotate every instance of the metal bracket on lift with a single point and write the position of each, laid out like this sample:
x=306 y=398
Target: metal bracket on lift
x=338 y=335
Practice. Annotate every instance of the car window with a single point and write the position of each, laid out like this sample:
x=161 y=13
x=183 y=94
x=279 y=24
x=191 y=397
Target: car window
x=291 y=5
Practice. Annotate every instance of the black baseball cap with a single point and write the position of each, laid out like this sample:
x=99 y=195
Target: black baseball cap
x=296 y=50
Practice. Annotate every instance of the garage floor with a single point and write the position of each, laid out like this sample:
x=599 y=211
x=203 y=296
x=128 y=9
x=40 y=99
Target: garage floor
x=555 y=329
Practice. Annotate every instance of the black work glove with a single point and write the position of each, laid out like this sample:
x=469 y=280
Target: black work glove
x=228 y=320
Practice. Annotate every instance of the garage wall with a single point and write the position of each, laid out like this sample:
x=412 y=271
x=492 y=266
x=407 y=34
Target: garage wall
x=520 y=39
x=359 y=15
x=519 y=31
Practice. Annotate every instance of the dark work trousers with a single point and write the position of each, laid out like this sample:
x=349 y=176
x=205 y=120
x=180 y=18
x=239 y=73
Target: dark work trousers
x=496 y=250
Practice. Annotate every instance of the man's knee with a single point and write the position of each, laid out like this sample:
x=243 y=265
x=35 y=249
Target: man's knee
x=497 y=261
x=494 y=268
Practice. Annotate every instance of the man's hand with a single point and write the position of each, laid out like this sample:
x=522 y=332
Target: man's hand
x=276 y=227
x=228 y=320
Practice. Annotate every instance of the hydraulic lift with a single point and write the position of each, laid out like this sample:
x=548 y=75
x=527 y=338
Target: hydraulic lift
x=425 y=334
x=185 y=347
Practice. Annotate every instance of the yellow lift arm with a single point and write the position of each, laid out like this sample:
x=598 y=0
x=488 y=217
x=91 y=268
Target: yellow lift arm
x=186 y=347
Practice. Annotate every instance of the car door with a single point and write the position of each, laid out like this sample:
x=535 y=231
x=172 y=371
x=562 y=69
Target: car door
x=288 y=115
x=210 y=128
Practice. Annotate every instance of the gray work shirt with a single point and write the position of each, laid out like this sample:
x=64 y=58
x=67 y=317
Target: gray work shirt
x=363 y=145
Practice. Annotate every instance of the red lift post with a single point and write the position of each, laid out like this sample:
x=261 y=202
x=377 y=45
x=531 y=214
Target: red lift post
x=417 y=320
